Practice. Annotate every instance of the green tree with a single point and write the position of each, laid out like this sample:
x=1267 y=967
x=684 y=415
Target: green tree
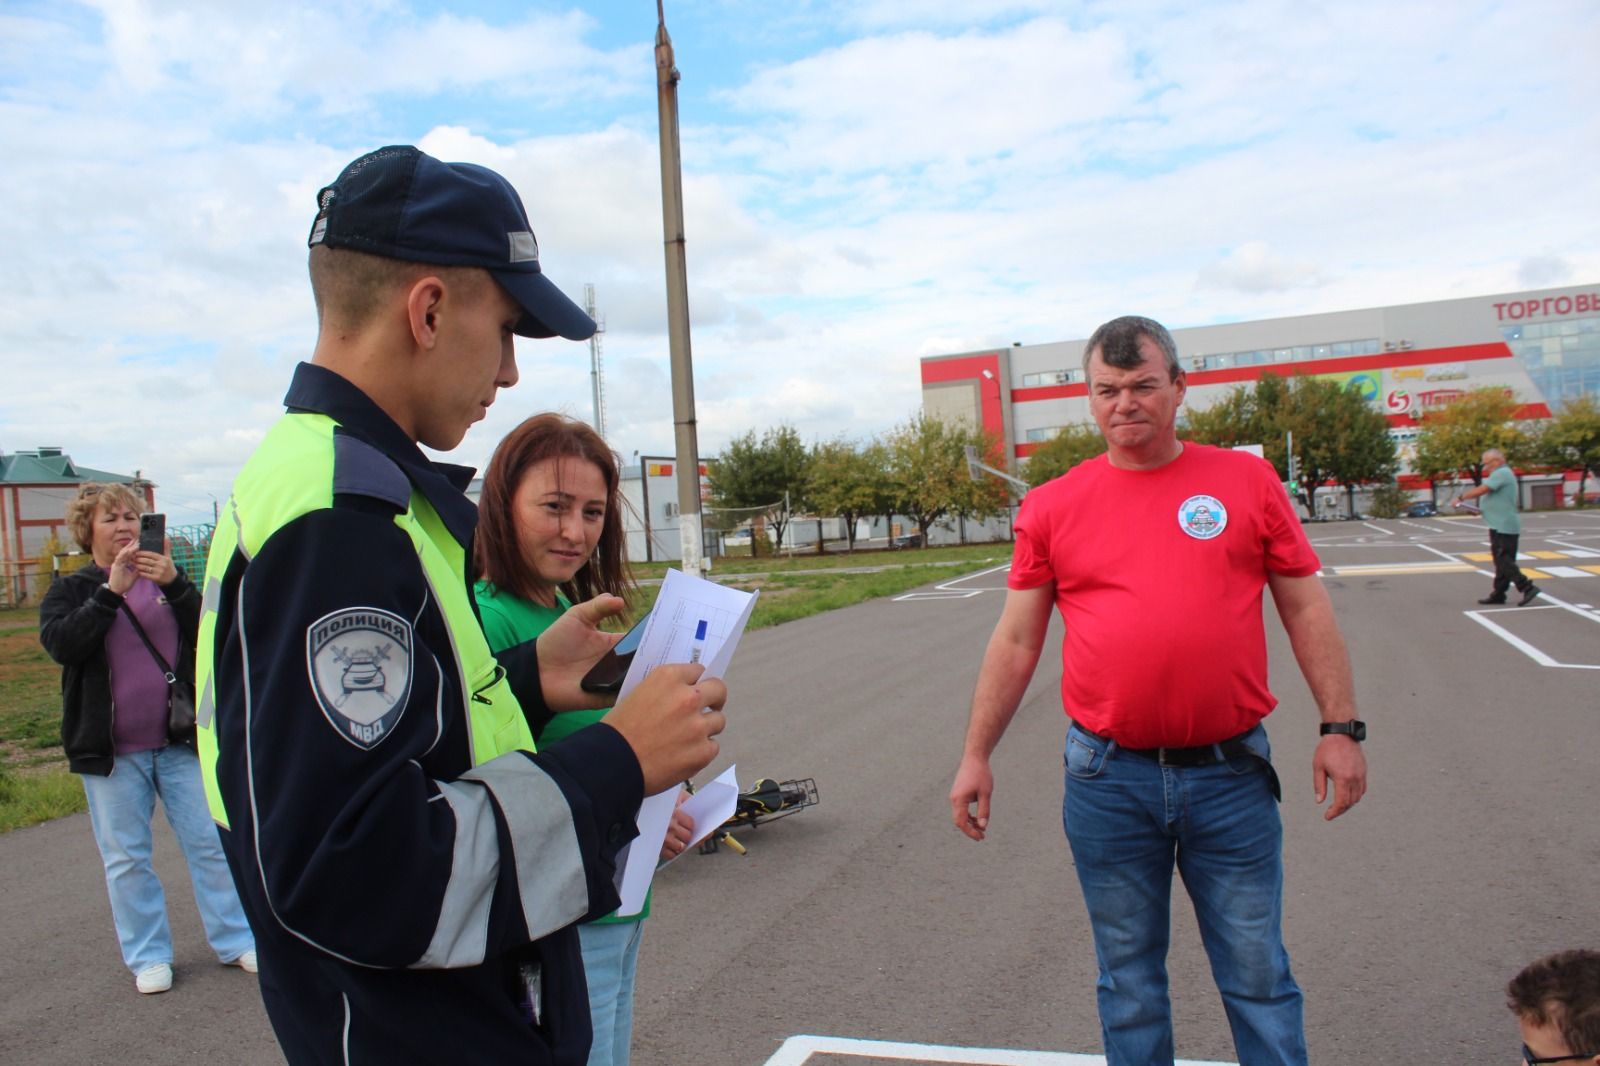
x=1337 y=437
x=1454 y=438
x=1389 y=500
x=885 y=494
x=44 y=565
x=1247 y=415
x=927 y=465
x=762 y=472
x=1361 y=449
x=1571 y=440
x=1070 y=446
x=844 y=479
x=984 y=496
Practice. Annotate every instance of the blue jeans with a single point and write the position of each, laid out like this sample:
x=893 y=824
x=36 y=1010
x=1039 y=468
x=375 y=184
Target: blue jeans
x=610 y=958
x=120 y=808
x=1127 y=820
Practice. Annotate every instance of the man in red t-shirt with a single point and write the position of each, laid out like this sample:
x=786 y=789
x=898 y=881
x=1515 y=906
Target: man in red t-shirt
x=1156 y=554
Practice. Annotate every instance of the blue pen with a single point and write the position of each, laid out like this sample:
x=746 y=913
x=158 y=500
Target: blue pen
x=699 y=644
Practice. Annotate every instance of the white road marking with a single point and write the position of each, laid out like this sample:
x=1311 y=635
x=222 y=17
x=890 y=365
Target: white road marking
x=941 y=595
x=1546 y=602
x=1436 y=551
x=948 y=590
x=798 y=1051
x=1565 y=571
x=1380 y=529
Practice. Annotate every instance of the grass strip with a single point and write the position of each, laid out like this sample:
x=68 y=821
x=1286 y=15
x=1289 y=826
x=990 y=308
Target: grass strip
x=33 y=798
x=35 y=785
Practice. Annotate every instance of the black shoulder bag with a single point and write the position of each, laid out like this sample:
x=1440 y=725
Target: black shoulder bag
x=180 y=693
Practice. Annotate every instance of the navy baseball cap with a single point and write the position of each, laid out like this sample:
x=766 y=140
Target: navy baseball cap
x=402 y=203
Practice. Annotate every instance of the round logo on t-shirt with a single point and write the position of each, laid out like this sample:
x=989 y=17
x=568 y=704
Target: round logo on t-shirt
x=1202 y=517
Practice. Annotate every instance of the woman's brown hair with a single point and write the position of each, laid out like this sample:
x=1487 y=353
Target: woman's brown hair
x=497 y=554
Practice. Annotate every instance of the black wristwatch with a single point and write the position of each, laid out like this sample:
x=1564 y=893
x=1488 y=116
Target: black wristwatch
x=1355 y=729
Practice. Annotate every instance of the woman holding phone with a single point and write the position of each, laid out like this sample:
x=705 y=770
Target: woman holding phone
x=118 y=626
x=550 y=534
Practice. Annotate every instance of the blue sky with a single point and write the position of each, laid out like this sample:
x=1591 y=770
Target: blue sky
x=867 y=183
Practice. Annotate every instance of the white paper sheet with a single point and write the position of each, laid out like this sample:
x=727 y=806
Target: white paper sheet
x=669 y=637
x=686 y=606
x=639 y=861
x=712 y=805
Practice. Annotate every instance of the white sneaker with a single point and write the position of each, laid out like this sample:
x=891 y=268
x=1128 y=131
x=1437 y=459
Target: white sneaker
x=246 y=962
x=152 y=979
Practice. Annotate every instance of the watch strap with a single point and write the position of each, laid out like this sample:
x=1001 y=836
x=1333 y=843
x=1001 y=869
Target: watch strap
x=1355 y=729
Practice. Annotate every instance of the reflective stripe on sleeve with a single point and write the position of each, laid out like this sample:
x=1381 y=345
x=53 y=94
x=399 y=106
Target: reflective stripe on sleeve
x=551 y=880
x=207 y=706
x=211 y=599
x=461 y=936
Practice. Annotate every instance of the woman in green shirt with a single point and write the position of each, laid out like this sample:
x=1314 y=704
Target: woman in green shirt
x=550 y=534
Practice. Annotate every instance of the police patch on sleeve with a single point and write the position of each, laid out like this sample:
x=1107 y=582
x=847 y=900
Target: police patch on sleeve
x=359 y=660
x=1202 y=517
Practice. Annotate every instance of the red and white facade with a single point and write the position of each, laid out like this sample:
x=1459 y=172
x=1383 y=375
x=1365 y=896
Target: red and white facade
x=1542 y=346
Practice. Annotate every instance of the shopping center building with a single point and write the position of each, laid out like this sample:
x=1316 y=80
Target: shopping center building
x=1542 y=346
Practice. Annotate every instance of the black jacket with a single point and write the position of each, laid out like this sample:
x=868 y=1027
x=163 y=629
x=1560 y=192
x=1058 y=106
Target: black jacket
x=74 y=619
x=402 y=893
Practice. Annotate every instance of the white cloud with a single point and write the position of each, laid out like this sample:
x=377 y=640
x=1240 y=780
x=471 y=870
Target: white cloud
x=865 y=184
x=249 y=57
x=1252 y=267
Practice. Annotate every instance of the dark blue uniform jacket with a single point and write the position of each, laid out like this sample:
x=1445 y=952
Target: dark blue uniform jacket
x=403 y=911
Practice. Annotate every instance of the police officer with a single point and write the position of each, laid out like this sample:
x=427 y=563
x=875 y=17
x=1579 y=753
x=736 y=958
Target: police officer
x=412 y=868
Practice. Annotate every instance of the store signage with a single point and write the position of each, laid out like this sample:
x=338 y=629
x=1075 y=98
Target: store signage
x=1439 y=398
x=1398 y=401
x=1448 y=372
x=1407 y=373
x=1582 y=303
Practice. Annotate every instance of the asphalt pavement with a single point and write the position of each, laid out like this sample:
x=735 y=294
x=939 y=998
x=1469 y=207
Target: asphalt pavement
x=867 y=929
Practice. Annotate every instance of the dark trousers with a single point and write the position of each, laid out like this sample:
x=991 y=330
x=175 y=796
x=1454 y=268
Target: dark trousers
x=1503 y=546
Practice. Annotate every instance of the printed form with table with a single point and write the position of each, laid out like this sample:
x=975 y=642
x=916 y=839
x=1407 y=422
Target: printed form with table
x=694 y=620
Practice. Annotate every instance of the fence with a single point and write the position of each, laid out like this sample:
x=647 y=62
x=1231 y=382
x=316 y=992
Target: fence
x=24 y=583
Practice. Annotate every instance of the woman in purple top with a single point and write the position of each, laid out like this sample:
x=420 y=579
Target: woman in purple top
x=114 y=730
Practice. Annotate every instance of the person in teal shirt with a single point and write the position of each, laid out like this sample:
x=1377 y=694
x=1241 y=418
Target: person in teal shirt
x=1499 y=492
x=550 y=534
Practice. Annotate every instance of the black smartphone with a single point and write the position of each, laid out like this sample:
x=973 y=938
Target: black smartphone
x=153 y=533
x=608 y=673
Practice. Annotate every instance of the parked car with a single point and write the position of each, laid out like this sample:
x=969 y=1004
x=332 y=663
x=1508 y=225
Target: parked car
x=1422 y=509
x=908 y=540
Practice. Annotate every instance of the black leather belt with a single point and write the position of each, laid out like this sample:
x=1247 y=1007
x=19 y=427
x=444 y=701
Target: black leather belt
x=1199 y=755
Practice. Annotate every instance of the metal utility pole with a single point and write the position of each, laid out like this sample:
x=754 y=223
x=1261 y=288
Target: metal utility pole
x=683 y=418
x=596 y=375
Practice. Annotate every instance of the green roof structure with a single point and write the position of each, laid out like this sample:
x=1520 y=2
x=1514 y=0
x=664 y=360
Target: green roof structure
x=51 y=466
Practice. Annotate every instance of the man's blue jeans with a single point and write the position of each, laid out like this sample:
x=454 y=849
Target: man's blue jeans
x=1128 y=820
x=120 y=809
x=610 y=959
